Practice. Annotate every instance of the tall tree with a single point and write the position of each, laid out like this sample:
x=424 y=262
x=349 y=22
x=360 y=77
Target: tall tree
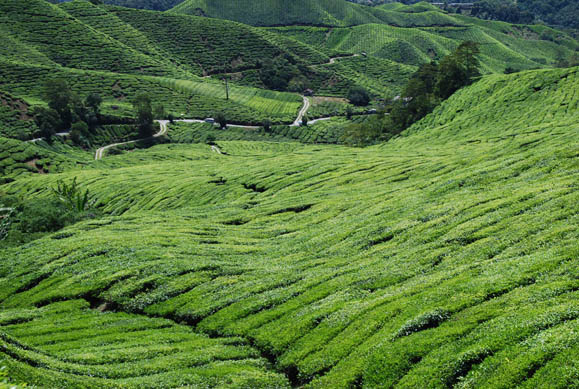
x=59 y=97
x=458 y=69
x=144 y=113
x=48 y=121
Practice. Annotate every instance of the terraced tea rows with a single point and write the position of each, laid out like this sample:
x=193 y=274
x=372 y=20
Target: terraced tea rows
x=444 y=257
x=127 y=350
x=501 y=44
x=15 y=118
x=198 y=99
x=65 y=41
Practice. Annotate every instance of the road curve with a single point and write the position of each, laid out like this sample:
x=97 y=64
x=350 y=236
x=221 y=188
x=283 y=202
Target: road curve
x=333 y=59
x=302 y=112
x=163 y=128
x=162 y=131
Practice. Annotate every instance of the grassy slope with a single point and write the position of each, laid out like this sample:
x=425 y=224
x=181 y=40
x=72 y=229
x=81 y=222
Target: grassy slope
x=428 y=261
x=501 y=44
x=200 y=45
x=190 y=98
x=68 y=42
x=113 y=40
x=279 y=12
x=15 y=118
x=82 y=43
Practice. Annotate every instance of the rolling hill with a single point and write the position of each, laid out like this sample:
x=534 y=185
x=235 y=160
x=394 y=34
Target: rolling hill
x=120 y=52
x=445 y=257
x=502 y=44
x=279 y=12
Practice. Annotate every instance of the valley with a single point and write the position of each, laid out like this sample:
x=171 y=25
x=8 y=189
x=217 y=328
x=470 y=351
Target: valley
x=220 y=194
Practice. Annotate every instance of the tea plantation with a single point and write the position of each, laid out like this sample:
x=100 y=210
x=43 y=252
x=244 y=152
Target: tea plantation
x=122 y=52
x=445 y=257
x=267 y=254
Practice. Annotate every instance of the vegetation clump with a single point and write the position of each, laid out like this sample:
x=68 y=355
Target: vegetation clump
x=431 y=84
x=359 y=96
x=28 y=220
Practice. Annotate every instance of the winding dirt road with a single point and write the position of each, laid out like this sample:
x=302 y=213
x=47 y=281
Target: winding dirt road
x=333 y=59
x=162 y=131
x=100 y=153
x=302 y=112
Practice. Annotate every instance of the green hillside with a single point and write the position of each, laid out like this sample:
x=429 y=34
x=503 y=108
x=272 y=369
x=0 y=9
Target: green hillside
x=279 y=12
x=445 y=257
x=47 y=29
x=195 y=98
x=501 y=44
x=312 y=12
x=15 y=118
x=121 y=52
x=200 y=45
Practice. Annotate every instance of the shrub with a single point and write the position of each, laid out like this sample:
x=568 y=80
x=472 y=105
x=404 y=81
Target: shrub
x=78 y=133
x=210 y=139
x=48 y=121
x=267 y=125
x=72 y=197
x=359 y=96
x=48 y=216
x=221 y=120
x=349 y=113
x=144 y=113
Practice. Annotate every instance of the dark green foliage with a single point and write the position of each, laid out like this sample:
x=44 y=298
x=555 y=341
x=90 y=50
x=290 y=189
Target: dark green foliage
x=349 y=113
x=458 y=69
x=79 y=133
x=94 y=101
x=283 y=73
x=564 y=13
x=359 y=96
x=159 y=112
x=42 y=217
x=363 y=133
x=568 y=62
x=60 y=98
x=155 y=5
x=48 y=121
x=501 y=10
x=72 y=197
x=433 y=83
x=221 y=120
x=143 y=109
x=267 y=125
x=426 y=88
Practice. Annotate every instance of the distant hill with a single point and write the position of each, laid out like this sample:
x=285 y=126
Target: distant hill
x=156 y=5
x=281 y=12
x=120 y=52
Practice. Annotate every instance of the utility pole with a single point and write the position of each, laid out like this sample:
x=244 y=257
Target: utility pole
x=226 y=88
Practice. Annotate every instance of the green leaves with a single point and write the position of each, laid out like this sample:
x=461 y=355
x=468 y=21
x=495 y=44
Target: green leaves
x=72 y=196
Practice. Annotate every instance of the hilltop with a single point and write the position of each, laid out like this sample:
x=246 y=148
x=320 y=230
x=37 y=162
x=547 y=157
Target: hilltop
x=444 y=257
x=170 y=55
